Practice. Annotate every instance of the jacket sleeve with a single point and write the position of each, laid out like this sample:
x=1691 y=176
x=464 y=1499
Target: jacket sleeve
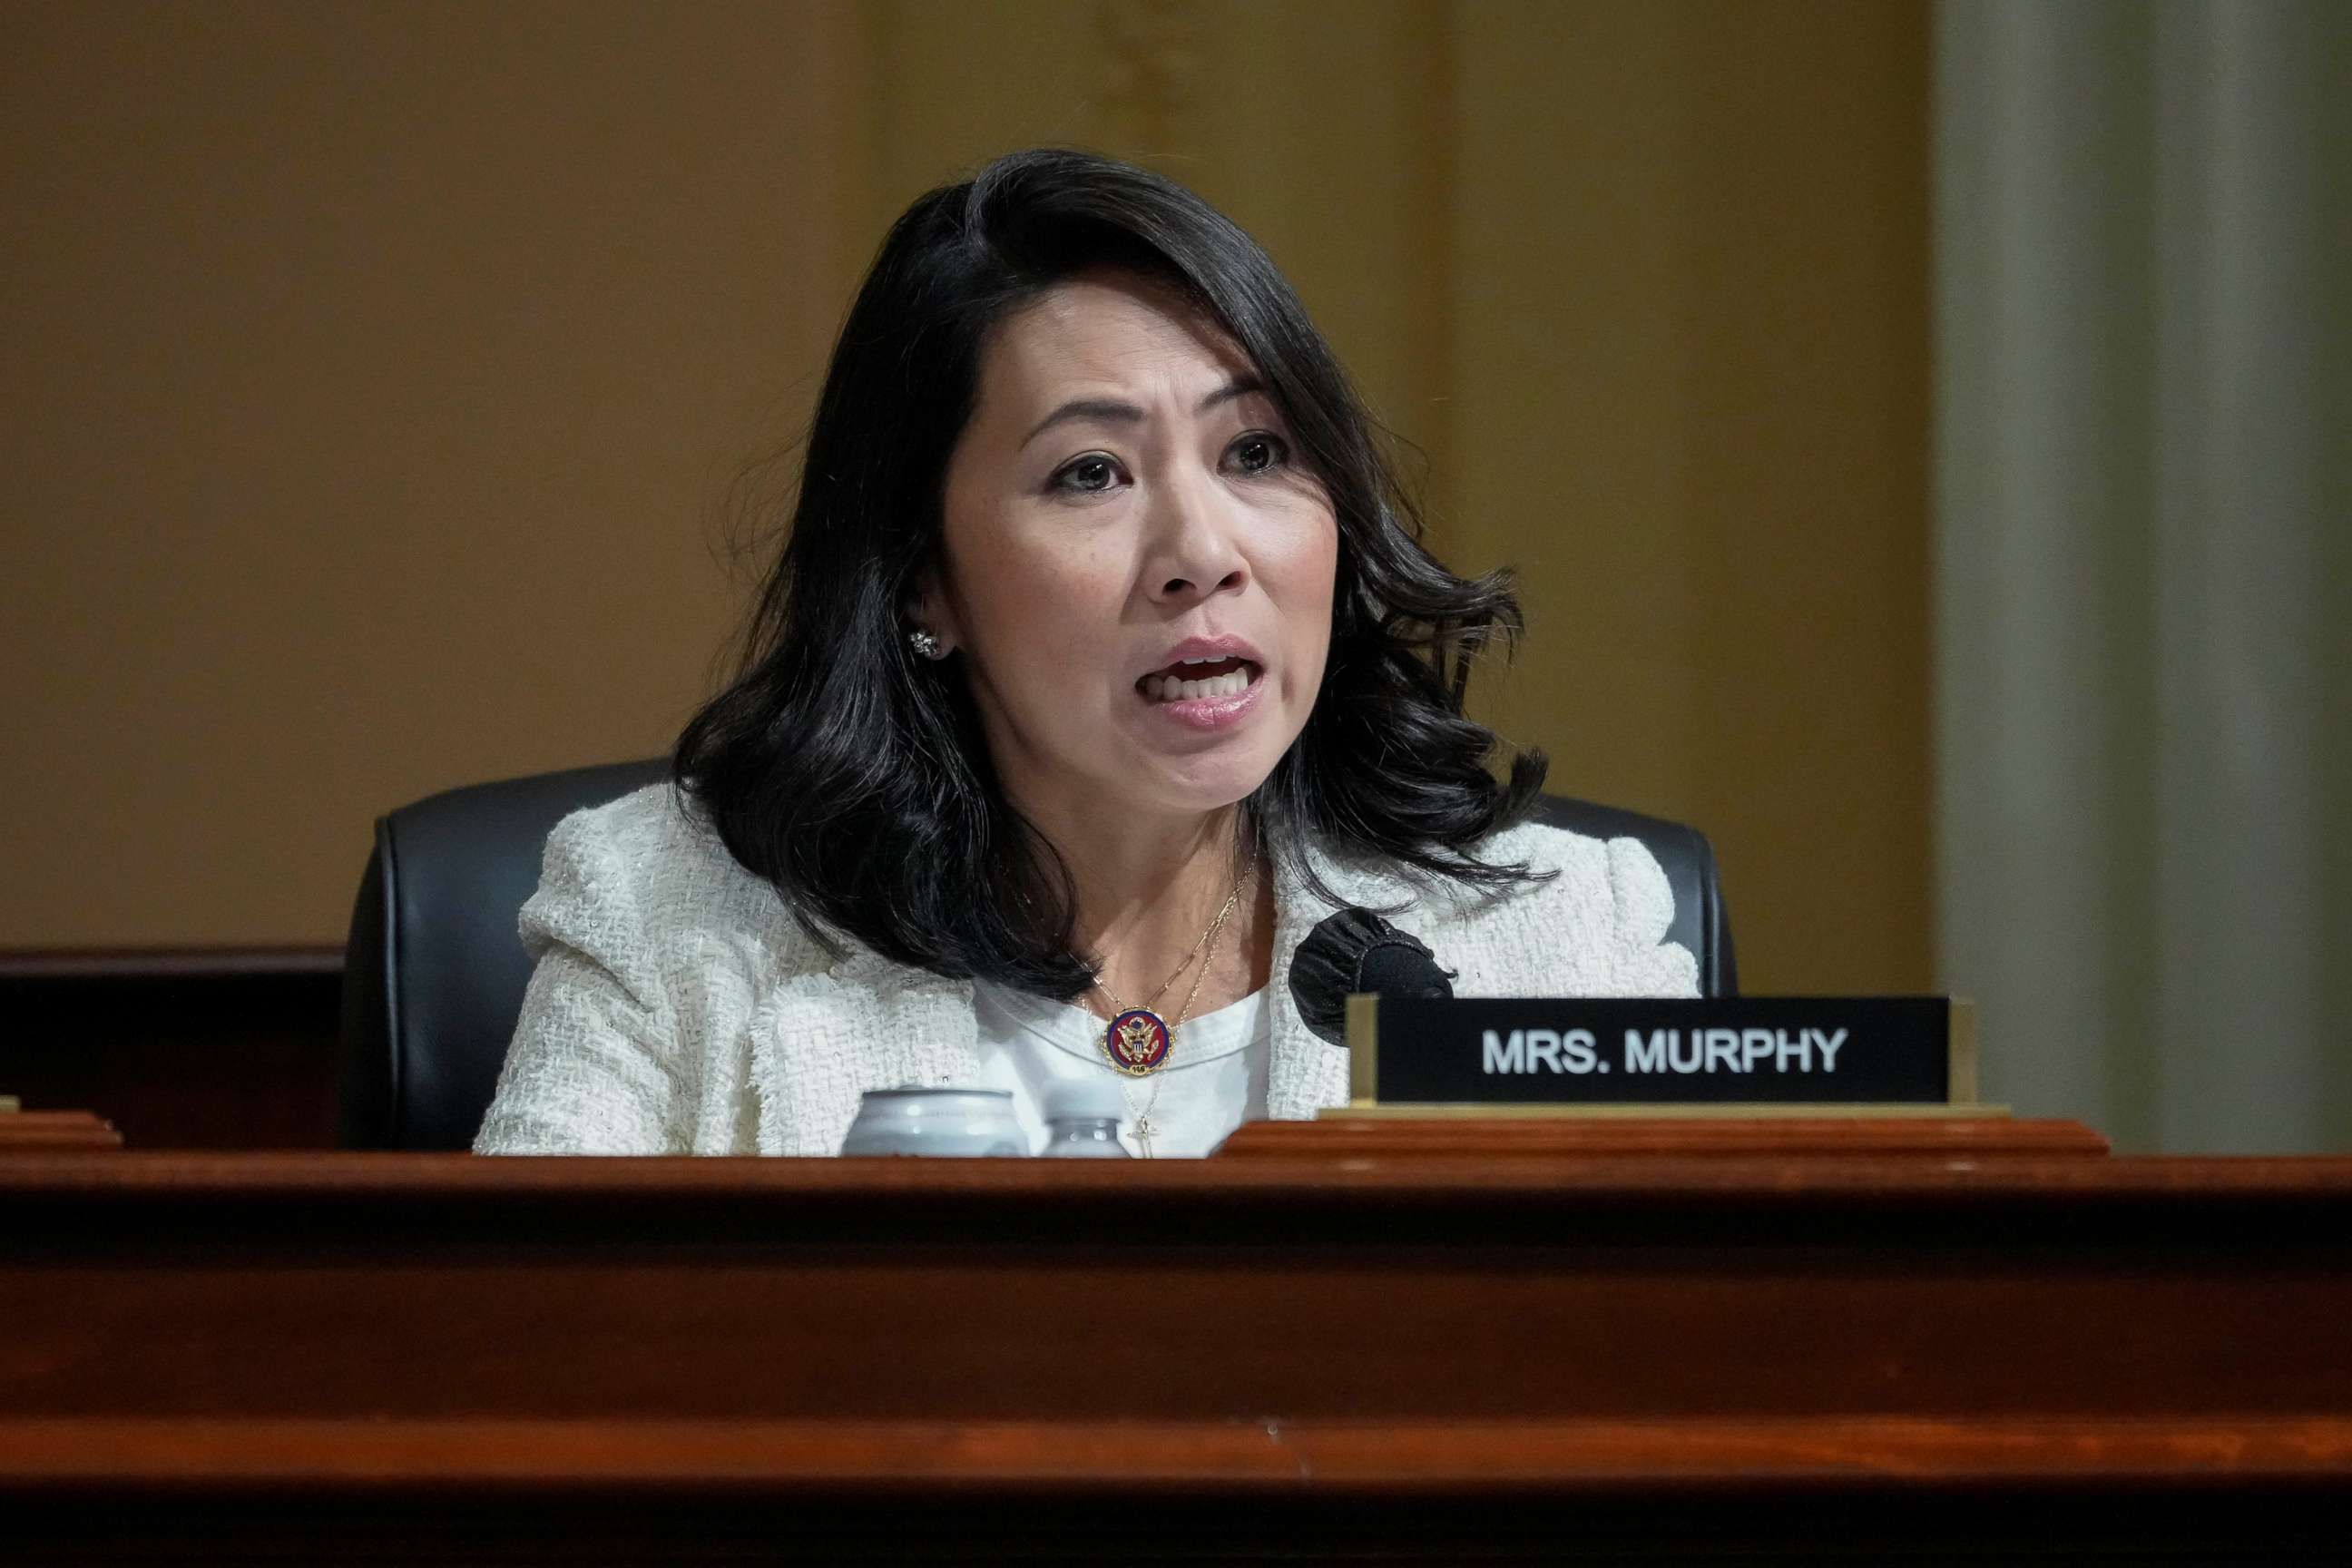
x=592 y=1068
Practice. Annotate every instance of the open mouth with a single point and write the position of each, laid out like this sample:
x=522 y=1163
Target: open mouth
x=1189 y=680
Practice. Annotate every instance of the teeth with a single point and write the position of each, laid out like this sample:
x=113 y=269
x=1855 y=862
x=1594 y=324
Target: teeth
x=1170 y=690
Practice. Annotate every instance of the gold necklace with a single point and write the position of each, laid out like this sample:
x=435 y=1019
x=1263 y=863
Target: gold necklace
x=1137 y=1039
x=1145 y=1131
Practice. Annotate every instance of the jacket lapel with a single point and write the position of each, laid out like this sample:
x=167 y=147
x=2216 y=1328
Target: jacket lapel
x=824 y=1038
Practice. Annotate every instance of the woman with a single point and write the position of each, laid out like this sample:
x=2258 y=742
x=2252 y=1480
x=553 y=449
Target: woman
x=1100 y=663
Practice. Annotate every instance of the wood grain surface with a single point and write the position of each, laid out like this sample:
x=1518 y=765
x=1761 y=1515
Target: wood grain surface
x=1711 y=1137
x=27 y=1131
x=1343 y=1356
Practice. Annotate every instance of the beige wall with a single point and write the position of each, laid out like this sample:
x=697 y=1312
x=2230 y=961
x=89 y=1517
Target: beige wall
x=384 y=371
x=372 y=374
x=1690 y=321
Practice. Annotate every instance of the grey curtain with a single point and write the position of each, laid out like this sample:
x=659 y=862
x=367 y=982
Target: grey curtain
x=2143 y=516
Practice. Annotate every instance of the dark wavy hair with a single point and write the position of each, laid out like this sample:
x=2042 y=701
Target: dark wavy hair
x=853 y=774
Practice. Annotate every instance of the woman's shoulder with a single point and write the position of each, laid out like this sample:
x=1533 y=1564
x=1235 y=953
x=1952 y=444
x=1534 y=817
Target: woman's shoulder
x=1597 y=924
x=654 y=843
x=652 y=862
x=1560 y=863
x=1621 y=870
x=651 y=949
x=1590 y=916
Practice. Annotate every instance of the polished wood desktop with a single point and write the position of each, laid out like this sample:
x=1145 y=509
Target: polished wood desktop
x=1336 y=1342
x=53 y=1131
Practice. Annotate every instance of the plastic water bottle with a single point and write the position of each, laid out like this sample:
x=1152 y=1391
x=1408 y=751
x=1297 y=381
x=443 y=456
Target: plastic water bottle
x=1082 y=1120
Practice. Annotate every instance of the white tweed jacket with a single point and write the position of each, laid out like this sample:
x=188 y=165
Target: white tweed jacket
x=676 y=1007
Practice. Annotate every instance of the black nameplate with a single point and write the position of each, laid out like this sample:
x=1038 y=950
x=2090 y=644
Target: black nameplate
x=1766 y=1050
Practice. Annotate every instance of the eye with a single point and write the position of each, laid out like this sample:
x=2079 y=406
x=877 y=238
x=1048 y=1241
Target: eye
x=1258 y=451
x=1090 y=475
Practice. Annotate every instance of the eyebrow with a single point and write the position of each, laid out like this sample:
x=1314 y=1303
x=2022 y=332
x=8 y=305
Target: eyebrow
x=1111 y=411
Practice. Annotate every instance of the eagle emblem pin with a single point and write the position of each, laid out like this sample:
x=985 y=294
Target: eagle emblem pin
x=1137 y=1042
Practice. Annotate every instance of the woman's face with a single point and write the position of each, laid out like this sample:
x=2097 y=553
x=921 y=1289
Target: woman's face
x=1138 y=570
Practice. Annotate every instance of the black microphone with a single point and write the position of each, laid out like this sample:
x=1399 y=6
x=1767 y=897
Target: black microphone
x=1356 y=951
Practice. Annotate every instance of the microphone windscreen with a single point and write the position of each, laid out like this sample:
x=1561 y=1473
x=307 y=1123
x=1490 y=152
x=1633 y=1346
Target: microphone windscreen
x=1356 y=951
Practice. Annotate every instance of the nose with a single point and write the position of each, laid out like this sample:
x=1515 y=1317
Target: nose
x=1194 y=550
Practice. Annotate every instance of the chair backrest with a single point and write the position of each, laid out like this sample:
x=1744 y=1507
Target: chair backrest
x=435 y=972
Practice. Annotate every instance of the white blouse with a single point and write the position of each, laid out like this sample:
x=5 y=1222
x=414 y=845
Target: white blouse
x=1215 y=1078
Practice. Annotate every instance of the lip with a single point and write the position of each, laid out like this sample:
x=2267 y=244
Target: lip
x=1207 y=715
x=1227 y=647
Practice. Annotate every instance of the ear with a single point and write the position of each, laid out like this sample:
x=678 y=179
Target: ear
x=931 y=608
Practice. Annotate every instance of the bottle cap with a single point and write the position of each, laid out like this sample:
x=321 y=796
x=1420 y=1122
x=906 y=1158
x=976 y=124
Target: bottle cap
x=1084 y=1099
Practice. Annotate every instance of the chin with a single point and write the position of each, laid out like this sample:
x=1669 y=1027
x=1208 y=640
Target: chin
x=1216 y=786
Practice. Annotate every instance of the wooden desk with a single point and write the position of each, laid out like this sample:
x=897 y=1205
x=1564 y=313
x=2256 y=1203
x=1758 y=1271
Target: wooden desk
x=1313 y=1353
x=53 y=1132
x=181 y=1048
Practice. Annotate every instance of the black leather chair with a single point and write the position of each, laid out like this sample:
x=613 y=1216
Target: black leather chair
x=433 y=974
x=433 y=977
